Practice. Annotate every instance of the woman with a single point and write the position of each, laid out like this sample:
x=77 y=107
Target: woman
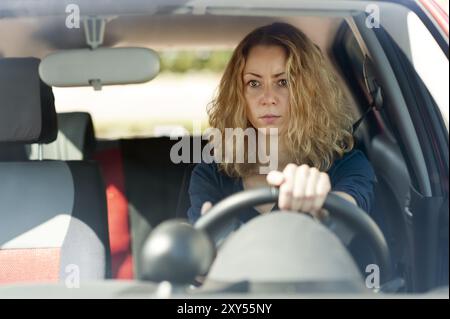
x=278 y=78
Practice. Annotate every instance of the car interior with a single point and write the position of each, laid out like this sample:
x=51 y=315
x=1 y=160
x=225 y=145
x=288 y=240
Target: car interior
x=69 y=197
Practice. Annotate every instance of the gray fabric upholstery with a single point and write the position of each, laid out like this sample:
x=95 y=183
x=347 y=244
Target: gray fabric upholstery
x=84 y=249
x=47 y=204
x=32 y=193
x=14 y=152
x=87 y=242
x=27 y=110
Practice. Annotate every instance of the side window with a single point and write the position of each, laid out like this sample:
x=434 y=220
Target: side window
x=425 y=55
x=424 y=109
x=429 y=60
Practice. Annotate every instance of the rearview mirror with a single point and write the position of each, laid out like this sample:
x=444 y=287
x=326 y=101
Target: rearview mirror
x=102 y=66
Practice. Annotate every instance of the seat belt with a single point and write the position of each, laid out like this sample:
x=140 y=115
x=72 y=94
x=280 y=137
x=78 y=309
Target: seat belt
x=374 y=90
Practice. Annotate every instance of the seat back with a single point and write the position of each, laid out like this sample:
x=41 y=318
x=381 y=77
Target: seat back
x=53 y=213
x=392 y=195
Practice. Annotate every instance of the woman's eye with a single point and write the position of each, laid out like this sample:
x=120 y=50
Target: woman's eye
x=282 y=83
x=253 y=83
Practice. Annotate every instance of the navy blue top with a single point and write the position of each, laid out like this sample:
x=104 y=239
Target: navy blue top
x=352 y=174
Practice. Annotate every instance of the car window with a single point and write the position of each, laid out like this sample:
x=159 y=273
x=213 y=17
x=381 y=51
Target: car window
x=423 y=52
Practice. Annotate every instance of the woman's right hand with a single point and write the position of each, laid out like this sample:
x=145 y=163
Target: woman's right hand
x=205 y=207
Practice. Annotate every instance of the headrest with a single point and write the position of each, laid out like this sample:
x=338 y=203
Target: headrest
x=75 y=141
x=27 y=109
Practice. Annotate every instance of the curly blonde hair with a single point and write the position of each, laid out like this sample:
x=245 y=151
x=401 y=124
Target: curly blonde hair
x=320 y=125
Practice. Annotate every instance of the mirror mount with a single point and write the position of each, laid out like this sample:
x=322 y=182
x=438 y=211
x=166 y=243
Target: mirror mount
x=94 y=31
x=96 y=84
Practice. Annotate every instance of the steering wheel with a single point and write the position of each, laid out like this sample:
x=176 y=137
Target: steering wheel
x=340 y=209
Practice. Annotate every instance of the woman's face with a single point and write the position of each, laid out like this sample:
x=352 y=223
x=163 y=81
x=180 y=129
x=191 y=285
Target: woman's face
x=265 y=87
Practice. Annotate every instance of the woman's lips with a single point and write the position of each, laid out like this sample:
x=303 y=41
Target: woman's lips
x=269 y=118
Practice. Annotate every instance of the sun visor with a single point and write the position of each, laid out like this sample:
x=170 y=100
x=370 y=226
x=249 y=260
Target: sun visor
x=102 y=66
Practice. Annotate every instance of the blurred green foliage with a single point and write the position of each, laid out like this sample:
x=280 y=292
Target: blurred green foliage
x=184 y=61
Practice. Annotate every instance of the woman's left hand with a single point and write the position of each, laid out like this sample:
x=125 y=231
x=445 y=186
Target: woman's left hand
x=302 y=188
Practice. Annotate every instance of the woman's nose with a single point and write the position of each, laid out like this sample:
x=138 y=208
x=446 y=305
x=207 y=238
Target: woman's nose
x=269 y=97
